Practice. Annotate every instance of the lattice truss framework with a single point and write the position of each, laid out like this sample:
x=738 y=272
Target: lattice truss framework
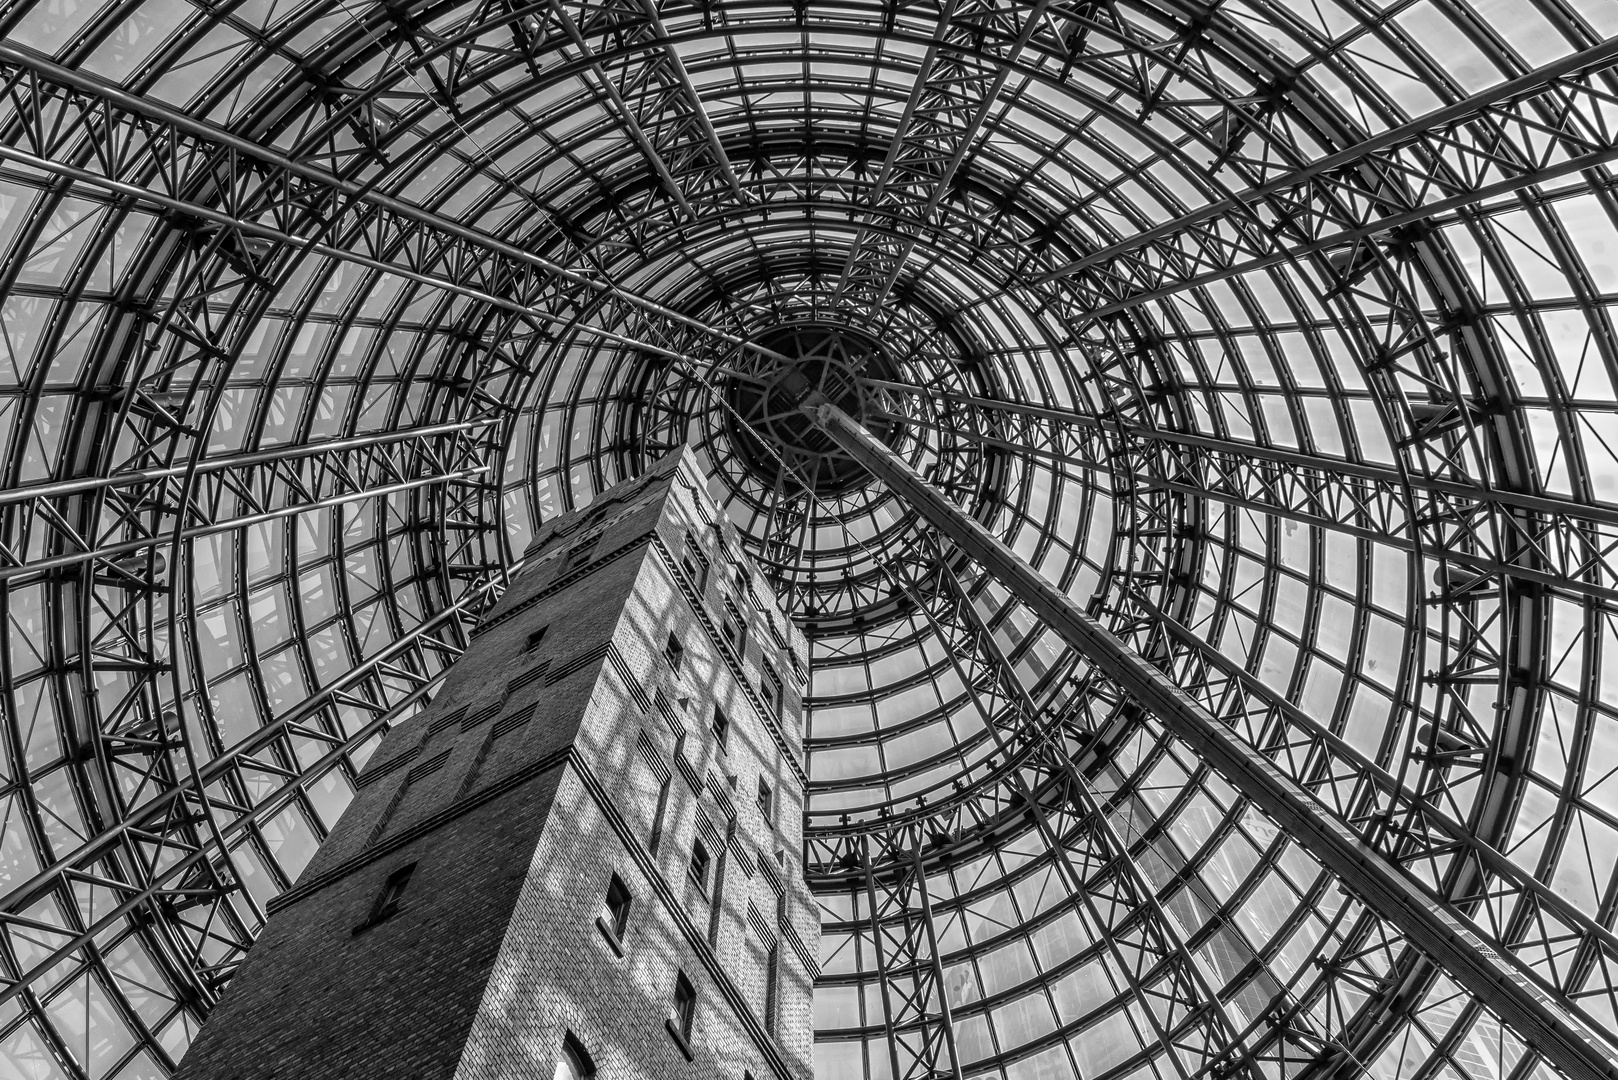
x=1280 y=335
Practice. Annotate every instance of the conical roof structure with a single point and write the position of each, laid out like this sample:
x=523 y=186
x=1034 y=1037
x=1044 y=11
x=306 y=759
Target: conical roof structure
x=1277 y=335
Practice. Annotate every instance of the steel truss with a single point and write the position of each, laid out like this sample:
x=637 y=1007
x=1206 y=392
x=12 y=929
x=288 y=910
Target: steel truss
x=915 y=1002
x=1286 y=1029
x=1183 y=1008
x=1565 y=546
x=361 y=112
x=112 y=521
x=1102 y=879
x=114 y=546
x=966 y=66
x=1420 y=820
x=659 y=106
x=1549 y=123
x=1499 y=972
x=265 y=206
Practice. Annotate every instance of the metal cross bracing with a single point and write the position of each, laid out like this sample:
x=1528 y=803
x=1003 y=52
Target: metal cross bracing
x=1283 y=1023
x=1039 y=781
x=1349 y=998
x=1553 y=1021
x=224 y=191
x=1193 y=1027
x=108 y=549
x=1122 y=67
x=115 y=521
x=654 y=97
x=105 y=527
x=1446 y=127
x=1564 y=546
x=1549 y=123
x=909 y=965
x=1426 y=832
x=106 y=581
x=115 y=543
x=261 y=202
x=458 y=52
x=658 y=411
x=1545 y=546
x=1540 y=548
x=660 y=108
x=966 y=65
x=136 y=497
x=1281 y=1030
x=945 y=821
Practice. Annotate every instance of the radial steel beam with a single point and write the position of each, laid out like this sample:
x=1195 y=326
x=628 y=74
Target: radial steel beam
x=1567 y=1037
x=1181 y=1004
x=959 y=79
x=80 y=126
x=1528 y=131
x=1490 y=531
x=622 y=107
x=675 y=65
x=474 y=280
x=1443 y=121
x=44 y=526
x=652 y=94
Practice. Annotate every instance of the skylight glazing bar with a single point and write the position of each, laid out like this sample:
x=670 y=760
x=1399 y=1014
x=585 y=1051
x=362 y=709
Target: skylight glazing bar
x=111 y=519
x=1548 y=1021
x=1541 y=127
x=1444 y=126
x=1184 y=1011
x=1576 y=544
x=113 y=135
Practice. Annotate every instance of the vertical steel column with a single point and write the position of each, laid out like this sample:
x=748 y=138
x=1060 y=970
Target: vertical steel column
x=908 y=962
x=872 y=912
x=925 y=900
x=1572 y=1043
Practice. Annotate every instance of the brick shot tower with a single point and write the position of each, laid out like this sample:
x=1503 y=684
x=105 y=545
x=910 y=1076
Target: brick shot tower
x=583 y=857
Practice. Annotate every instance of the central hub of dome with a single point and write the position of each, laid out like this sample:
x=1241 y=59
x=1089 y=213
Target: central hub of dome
x=764 y=419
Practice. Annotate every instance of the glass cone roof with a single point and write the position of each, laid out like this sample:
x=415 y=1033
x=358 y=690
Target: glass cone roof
x=1280 y=334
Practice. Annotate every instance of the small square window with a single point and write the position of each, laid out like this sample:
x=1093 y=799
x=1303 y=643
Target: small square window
x=387 y=901
x=674 y=653
x=721 y=727
x=695 y=563
x=769 y=687
x=685 y=1005
x=534 y=639
x=699 y=865
x=766 y=802
x=617 y=904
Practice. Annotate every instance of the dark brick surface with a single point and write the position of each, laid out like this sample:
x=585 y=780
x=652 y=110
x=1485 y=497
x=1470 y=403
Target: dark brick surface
x=495 y=952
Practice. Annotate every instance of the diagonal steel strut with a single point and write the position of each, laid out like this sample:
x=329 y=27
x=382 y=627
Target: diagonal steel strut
x=186 y=139
x=1565 y=1037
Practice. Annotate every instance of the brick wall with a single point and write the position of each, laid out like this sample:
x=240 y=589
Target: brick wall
x=534 y=775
